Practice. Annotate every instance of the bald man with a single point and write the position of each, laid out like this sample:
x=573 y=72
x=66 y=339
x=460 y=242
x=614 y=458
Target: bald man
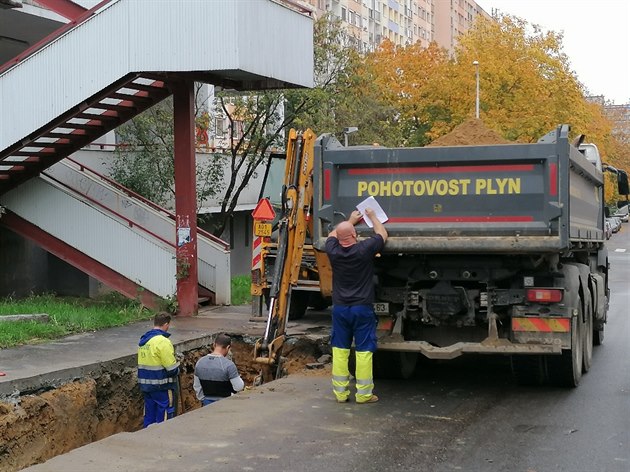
x=353 y=313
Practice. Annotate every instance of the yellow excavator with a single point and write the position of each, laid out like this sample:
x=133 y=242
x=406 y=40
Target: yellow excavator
x=293 y=228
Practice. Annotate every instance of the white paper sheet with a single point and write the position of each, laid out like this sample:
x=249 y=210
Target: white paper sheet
x=370 y=202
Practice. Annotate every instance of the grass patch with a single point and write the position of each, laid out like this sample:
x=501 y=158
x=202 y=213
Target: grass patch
x=241 y=286
x=67 y=316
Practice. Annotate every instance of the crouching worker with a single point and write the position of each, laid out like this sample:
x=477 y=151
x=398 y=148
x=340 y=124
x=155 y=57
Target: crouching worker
x=157 y=371
x=216 y=376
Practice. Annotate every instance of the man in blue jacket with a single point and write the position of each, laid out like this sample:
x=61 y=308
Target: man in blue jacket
x=157 y=371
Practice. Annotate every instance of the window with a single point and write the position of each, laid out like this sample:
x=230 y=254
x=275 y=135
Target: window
x=248 y=231
x=219 y=124
x=344 y=16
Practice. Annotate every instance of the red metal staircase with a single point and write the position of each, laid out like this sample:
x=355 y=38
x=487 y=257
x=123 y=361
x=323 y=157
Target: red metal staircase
x=100 y=54
x=78 y=127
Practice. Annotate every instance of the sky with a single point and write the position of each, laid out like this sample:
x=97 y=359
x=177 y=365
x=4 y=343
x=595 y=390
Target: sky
x=596 y=38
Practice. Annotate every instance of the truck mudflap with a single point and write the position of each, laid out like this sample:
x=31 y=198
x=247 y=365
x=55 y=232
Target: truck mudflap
x=487 y=346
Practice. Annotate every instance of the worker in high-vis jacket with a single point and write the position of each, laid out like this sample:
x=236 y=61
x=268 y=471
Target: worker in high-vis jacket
x=353 y=313
x=157 y=371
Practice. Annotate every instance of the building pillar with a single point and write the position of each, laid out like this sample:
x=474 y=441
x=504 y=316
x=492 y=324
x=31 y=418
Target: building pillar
x=185 y=197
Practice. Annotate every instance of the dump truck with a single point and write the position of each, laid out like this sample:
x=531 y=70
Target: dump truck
x=492 y=249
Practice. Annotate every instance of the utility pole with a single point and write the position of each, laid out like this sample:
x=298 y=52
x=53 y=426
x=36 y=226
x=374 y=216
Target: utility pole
x=476 y=64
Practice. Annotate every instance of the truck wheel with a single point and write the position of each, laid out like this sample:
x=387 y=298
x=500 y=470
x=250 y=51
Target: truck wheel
x=565 y=370
x=528 y=370
x=317 y=302
x=394 y=365
x=598 y=336
x=298 y=305
x=587 y=355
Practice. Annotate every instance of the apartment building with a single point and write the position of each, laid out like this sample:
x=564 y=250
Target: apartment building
x=618 y=114
x=403 y=22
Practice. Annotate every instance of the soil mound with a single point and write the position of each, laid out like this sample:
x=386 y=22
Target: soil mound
x=470 y=132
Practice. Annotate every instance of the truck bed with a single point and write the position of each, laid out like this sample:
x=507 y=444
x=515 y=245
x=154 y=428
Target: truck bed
x=492 y=198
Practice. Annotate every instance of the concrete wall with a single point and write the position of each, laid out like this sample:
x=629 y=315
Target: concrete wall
x=239 y=235
x=27 y=269
x=23 y=266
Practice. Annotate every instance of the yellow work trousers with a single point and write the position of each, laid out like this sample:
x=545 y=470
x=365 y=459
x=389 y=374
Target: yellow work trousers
x=341 y=375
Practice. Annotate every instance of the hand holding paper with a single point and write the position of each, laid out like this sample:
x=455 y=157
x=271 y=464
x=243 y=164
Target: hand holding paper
x=371 y=203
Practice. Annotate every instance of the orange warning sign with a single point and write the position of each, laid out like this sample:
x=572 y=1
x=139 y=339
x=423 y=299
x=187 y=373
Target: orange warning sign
x=264 y=210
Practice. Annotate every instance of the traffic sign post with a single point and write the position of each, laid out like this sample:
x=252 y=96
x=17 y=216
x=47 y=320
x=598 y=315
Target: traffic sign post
x=264 y=210
x=263 y=214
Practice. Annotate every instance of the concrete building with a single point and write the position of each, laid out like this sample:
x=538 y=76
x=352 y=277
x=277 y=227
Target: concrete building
x=618 y=114
x=403 y=22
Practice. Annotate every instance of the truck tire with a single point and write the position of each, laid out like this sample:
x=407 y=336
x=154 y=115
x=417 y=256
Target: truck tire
x=565 y=370
x=394 y=365
x=298 y=305
x=587 y=345
x=598 y=336
x=317 y=302
x=528 y=370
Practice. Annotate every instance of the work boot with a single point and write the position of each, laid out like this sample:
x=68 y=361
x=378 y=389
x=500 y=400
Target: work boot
x=372 y=399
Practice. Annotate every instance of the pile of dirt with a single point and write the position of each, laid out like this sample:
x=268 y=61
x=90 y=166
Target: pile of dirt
x=470 y=132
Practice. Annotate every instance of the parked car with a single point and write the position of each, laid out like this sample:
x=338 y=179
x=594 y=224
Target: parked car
x=615 y=223
x=622 y=216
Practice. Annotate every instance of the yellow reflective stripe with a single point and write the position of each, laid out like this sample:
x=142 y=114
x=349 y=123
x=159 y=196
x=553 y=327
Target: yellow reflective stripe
x=365 y=381
x=365 y=390
x=340 y=389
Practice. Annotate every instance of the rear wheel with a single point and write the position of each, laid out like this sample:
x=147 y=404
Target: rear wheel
x=298 y=305
x=394 y=365
x=598 y=336
x=317 y=302
x=528 y=370
x=565 y=370
x=587 y=355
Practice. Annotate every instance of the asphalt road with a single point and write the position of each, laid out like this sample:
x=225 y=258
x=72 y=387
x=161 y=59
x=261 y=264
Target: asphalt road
x=463 y=415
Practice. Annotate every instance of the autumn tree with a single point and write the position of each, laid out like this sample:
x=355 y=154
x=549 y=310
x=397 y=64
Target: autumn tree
x=408 y=78
x=527 y=86
x=144 y=163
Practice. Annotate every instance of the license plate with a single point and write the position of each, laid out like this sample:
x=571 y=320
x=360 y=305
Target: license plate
x=381 y=308
x=262 y=229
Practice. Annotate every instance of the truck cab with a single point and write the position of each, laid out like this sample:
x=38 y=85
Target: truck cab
x=591 y=153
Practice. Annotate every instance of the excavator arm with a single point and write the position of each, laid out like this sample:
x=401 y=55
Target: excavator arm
x=294 y=223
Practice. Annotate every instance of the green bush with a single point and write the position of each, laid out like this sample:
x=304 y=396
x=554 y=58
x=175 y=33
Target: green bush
x=241 y=289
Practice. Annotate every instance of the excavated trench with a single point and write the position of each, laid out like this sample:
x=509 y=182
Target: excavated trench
x=38 y=425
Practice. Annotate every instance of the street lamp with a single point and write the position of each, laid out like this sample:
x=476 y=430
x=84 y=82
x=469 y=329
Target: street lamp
x=346 y=132
x=476 y=64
